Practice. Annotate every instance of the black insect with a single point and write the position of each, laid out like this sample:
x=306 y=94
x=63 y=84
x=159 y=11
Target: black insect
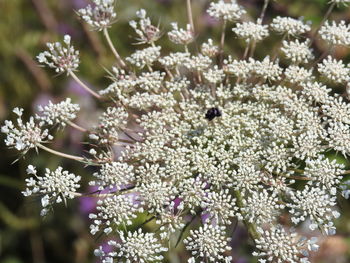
x=212 y=113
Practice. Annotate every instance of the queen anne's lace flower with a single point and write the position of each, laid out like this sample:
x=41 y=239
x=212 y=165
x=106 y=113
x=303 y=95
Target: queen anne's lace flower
x=181 y=36
x=209 y=49
x=144 y=57
x=297 y=75
x=267 y=69
x=55 y=186
x=324 y=172
x=134 y=247
x=278 y=245
x=111 y=122
x=99 y=16
x=114 y=175
x=174 y=60
x=317 y=92
x=214 y=75
x=334 y=71
x=316 y=204
x=339 y=137
x=61 y=58
x=26 y=135
x=336 y=34
x=238 y=68
x=208 y=242
x=230 y=11
x=157 y=195
x=297 y=52
x=114 y=210
x=60 y=113
x=147 y=33
x=289 y=26
x=191 y=137
x=337 y=109
x=250 y=31
x=261 y=207
x=220 y=206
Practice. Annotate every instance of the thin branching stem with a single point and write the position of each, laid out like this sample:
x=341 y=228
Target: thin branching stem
x=190 y=15
x=64 y=155
x=222 y=41
x=263 y=11
x=326 y=16
x=120 y=61
x=76 y=126
x=251 y=227
x=75 y=77
x=262 y=15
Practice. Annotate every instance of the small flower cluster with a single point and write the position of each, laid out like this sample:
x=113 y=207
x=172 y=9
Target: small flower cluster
x=61 y=58
x=205 y=137
x=99 y=16
x=54 y=187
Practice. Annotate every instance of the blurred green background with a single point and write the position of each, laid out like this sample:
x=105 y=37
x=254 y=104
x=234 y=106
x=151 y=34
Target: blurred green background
x=25 y=27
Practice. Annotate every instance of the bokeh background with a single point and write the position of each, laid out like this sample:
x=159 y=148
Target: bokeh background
x=25 y=27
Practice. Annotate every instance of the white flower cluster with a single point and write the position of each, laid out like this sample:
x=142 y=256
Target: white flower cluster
x=99 y=16
x=112 y=121
x=334 y=71
x=118 y=209
x=181 y=36
x=209 y=49
x=60 y=113
x=208 y=242
x=229 y=11
x=336 y=34
x=144 y=57
x=61 y=58
x=191 y=137
x=54 y=187
x=147 y=33
x=289 y=26
x=278 y=245
x=114 y=175
x=134 y=247
x=250 y=31
x=26 y=135
x=297 y=52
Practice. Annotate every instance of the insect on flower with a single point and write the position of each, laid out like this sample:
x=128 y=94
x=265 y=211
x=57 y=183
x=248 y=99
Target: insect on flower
x=212 y=113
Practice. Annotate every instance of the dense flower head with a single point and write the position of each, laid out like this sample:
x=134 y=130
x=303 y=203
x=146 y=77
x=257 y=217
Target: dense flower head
x=60 y=113
x=26 y=135
x=181 y=36
x=62 y=58
x=334 y=71
x=134 y=247
x=289 y=26
x=336 y=33
x=250 y=31
x=200 y=135
x=146 y=32
x=297 y=52
x=115 y=210
x=209 y=242
x=100 y=15
x=144 y=57
x=277 y=245
x=54 y=187
x=230 y=11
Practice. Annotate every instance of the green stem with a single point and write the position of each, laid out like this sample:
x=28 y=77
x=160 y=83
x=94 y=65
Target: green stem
x=250 y=226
